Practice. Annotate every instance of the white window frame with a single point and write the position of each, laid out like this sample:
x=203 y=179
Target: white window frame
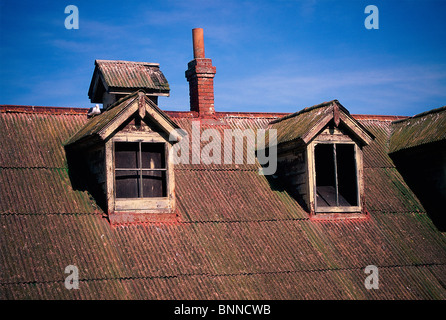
x=312 y=177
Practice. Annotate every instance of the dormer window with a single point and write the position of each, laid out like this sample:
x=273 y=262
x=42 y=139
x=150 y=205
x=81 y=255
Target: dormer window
x=319 y=154
x=336 y=177
x=127 y=150
x=140 y=177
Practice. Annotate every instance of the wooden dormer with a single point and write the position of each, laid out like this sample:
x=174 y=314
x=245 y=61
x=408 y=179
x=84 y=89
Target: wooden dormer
x=320 y=160
x=127 y=151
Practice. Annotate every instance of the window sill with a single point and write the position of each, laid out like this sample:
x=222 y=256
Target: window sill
x=350 y=209
x=138 y=217
x=146 y=205
x=329 y=216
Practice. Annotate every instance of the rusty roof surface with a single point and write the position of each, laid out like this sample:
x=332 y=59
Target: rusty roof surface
x=240 y=236
x=298 y=125
x=295 y=125
x=130 y=74
x=424 y=128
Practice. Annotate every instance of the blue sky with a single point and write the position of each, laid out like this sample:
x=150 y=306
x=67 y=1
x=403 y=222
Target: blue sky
x=271 y=56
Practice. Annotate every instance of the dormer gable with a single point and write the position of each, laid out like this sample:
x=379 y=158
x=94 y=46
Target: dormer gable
x=127 y=153
x=319 y=151
x=303 y=126
x=102 y=126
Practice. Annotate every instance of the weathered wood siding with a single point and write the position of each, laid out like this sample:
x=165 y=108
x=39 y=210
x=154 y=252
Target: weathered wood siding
x=293 y=171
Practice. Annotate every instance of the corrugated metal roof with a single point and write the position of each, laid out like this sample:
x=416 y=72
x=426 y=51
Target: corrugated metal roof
x=376 y=154
x=385 y=190
x=132 y=75
x=421 y=129
x=405 y=283
x=38 y=191
x=238 y=236
x=244 y=195
x=230 y=260
x=36 y=139
x=296 y=125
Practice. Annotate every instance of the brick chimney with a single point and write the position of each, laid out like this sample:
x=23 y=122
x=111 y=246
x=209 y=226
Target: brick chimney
x=200 y=75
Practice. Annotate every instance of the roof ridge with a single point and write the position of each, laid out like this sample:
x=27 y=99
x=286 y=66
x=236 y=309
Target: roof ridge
x=305 y=110
x=154 y=64
x=8 y=108
x=174 y=113
x=378 y=117
x=11 y=108
x=249 y=114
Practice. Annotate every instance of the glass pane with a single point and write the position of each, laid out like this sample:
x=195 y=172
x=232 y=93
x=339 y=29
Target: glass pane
x=153 y=156
x=154 y=184
x=347 y=180
x=126 y=155
x=127 y=184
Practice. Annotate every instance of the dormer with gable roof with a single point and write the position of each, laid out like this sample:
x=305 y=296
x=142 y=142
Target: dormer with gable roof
x=127 y=151
x=319 y=152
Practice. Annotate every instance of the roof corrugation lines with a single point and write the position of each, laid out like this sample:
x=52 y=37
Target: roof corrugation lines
x=238 y=236
x=36 y=140
x=421 y=129
x=244 y=194
x=376 y=154
x=296 y=125
x=129 y=74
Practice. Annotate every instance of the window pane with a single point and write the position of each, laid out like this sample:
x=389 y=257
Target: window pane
x=126 y=155
x=153 y=156
x=154 y=184
x=325 y=175
x=127 y=184
x=347 y=180
x=140 y=183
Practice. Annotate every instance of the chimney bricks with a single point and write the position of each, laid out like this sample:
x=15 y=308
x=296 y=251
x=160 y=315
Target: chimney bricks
x=200 y=75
